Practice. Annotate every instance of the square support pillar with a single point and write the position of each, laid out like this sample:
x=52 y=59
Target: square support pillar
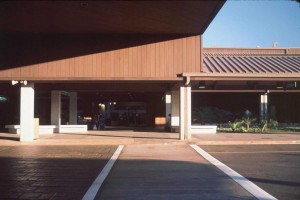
x=168 y=109
x=263 y=108
x=27 y=113
x=56 y=109
x=175 y=104
x=73 y=108
x=185 y=112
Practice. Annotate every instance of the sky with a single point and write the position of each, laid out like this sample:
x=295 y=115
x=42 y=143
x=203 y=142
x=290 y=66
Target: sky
x=255 y=23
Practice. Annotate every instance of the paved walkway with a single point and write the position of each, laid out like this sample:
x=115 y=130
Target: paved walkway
x=132 y=137
x=167 y=172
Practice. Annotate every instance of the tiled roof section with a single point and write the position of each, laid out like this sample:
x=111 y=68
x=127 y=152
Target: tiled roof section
x=234 y=60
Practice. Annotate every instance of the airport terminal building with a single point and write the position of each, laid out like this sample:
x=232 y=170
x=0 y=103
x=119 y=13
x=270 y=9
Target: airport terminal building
x=135 y=63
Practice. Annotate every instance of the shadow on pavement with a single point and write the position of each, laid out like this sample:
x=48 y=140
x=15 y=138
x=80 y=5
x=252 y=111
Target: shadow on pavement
x=9 y=138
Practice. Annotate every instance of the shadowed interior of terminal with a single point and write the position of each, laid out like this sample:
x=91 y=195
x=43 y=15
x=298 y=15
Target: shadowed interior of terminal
x=147 y=95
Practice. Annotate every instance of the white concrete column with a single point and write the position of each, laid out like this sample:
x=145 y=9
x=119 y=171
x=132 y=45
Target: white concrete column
x=263 y=108
x=73 y=108
x=175 y=104
x=185 y=112
x=27 y=113
x=56 y=109
x=168 y=101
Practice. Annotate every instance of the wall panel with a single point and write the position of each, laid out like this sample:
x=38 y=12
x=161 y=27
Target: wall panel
x=154 y=61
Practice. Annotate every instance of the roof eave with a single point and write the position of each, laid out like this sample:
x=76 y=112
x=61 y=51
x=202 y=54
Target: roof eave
x=242 y=76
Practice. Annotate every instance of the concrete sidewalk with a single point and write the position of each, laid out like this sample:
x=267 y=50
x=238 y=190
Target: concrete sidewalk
x=167 y=172
x=136 y=138
x=245 y=138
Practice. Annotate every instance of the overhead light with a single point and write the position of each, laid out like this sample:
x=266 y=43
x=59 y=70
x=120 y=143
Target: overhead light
x=267 y=92
x=102 y=105
x=279 y=85
x=201 y=85
x=13 y=82
x=3 y=98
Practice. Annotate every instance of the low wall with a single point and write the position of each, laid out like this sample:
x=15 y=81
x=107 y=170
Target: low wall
x=197 y=129
x=73 y=128
x=202 y=129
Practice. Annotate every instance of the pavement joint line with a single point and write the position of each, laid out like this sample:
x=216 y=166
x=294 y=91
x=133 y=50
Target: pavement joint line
x=241 y=180
x=96 y=185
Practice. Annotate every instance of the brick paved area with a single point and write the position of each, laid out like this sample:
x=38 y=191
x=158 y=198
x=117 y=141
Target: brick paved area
x=50 y=172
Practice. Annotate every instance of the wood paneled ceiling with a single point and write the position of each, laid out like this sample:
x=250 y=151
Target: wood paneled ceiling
x=107 y=17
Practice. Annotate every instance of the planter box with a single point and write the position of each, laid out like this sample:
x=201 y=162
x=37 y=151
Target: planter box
x=50 y=129
x=43 y=129
x=73 y=128
x=202 y=129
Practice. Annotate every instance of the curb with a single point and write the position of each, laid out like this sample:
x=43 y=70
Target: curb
x=245 y=142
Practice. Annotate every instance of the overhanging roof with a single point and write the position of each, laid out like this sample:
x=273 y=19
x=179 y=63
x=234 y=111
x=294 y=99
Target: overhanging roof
x=107 y=17
x=249 y=64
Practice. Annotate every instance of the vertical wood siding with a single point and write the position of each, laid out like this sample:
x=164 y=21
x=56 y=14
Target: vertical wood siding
x=155 y=61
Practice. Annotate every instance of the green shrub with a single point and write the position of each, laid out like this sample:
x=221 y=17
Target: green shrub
x=273 y=123
x=264 y=125
x=247 y=121
x=233 y=125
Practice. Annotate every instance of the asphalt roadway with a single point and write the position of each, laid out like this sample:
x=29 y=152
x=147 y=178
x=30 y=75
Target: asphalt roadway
x=274 y=168
x=63 y=166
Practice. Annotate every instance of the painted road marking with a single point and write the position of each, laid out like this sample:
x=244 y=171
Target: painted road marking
x=93 y=190
x=242 y=181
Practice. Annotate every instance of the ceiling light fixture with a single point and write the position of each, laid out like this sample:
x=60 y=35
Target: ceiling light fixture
x=279 y=85
x=201 y=85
